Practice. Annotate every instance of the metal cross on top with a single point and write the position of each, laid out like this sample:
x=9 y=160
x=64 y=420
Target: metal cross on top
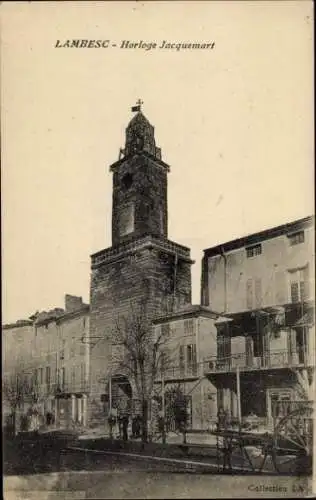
x=139 y=103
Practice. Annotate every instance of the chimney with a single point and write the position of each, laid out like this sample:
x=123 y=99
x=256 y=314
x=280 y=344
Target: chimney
x=73 y=303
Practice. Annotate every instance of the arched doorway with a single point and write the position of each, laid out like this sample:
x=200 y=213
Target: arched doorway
x=121 y=393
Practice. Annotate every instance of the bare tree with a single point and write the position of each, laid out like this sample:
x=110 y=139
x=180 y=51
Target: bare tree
x=15 y=390
x=142 y=354
x=176 y=408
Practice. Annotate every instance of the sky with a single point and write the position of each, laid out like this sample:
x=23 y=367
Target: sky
x=235 y=124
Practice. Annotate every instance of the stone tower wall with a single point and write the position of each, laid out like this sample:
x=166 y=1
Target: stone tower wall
x=148 y=192
x=144 y=276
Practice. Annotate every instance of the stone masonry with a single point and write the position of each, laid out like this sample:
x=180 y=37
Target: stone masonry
x=142 y=266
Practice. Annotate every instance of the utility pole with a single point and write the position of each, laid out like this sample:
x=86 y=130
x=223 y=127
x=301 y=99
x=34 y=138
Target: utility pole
x=163 y=408
x=110 y=406
x=110 y=393
x=238 y=395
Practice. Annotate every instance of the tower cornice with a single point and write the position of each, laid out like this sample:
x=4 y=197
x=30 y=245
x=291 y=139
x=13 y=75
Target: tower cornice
x=117 y=252
x=150 y=157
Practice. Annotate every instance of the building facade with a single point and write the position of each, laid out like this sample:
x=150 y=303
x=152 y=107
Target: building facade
x=190 y=335
x=263 y=285
x=51 y=352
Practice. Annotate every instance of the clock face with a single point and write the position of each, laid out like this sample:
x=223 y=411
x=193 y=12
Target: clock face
x=127 y=181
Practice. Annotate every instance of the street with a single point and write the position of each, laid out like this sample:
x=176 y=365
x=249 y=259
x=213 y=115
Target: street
x=74 y=474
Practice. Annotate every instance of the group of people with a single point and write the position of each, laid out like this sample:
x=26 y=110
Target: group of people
x=119 y=425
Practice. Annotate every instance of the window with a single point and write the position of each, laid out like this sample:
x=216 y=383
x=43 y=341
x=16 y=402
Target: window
x=62 y=375
x=47 y=376
x=181 y=360
x=126 y=221
x=127 y=181
x=191 y=359
x=188 y=327
x=82 y=373
x=73 y=378
x=299 y=285
x=296 y=238
x=41 y=376
x=254 y=250
x=73 y=349
x=224 y=346
x=295 y=293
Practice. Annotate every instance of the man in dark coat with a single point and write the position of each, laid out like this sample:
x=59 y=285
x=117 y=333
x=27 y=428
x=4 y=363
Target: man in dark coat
x=125 y=426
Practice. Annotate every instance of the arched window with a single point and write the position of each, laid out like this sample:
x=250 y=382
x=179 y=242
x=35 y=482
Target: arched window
x=127 y=219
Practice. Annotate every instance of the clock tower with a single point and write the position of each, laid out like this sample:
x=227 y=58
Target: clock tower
x=142 y=266
x=139 y=185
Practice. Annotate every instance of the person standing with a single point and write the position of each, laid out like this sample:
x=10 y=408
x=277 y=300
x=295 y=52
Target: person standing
x=125 y=420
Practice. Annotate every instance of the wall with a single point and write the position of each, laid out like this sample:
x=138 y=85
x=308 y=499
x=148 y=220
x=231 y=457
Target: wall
x=201 y=390
x=271 y=267
x=39 y=346
x=207 y=337
x=17 y=346
x=145 y=277
x=17 y=354
x=148 y=192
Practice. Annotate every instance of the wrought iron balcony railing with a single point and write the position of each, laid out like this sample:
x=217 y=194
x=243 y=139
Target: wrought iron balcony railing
x=178 y=372
x=71 y=388
x=272 y=360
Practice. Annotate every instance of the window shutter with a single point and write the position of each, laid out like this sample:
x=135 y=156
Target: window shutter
x=82 y=373
x=249 y=294
x=188 y=327
x=194 y=360
x=302 y=291
x=48 y=375
x=294 y=291
x=181 y=359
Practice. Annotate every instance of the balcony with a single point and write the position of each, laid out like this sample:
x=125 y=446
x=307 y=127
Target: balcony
x=70 y=388
x=270 y=360
x=180 y=373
